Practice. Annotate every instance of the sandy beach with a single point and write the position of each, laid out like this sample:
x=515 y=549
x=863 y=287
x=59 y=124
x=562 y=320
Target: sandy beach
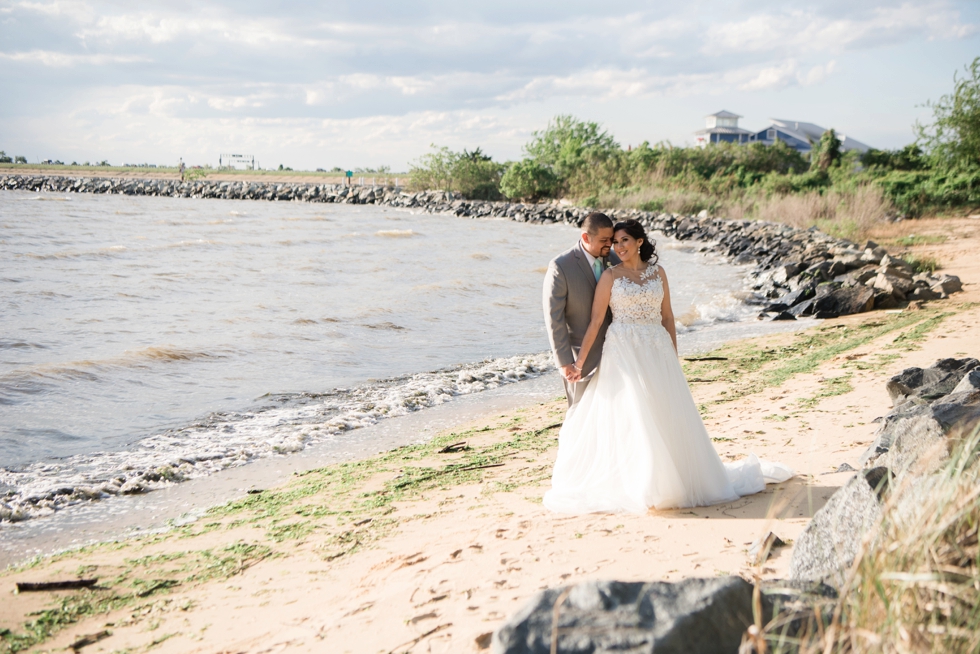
x=427 y=548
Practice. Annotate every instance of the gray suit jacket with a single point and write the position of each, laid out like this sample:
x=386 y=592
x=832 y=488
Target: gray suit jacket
x=569 y=286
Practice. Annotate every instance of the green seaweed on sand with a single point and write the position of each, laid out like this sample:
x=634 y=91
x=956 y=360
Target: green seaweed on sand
x=140 y=581
x=750 y=368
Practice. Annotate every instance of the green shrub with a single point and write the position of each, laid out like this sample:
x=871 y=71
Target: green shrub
x=528 y=180
x=472 y=174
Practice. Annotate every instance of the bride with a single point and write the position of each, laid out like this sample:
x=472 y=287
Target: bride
x=635 y=440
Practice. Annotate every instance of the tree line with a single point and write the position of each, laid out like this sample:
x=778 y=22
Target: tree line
x=580 y=160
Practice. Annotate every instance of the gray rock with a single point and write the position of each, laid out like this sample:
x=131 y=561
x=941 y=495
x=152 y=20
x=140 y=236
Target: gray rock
x=896 y=264
x=914 y=436
x=885 y=300
x=969 y=383
x=785 y=271
x=947 y=284
x=896 y=285
x=830 y=542
x=694 y=616
x=923 y=294
x=843 y=301
x=929 y=383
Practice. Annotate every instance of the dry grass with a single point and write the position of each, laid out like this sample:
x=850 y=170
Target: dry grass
x=852 y=214
x=916 y=587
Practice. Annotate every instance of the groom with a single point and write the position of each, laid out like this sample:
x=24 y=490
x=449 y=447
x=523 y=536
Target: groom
x=568 y=289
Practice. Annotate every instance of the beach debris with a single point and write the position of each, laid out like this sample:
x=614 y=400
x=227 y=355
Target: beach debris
x=424 y=616
x=412 y=643
x=89 y=639
x=483 y=640
x=453 y=448
x=762 y=548
x=488 y=465
x=363 y=522
x=412 y=559
x=68 y=584
x=254 y=491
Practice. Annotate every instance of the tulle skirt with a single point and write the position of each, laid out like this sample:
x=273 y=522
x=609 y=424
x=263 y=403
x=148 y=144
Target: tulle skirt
x=636 y=440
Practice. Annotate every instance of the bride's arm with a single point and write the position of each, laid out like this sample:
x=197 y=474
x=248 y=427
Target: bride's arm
x=600 y=303
x=666 y=312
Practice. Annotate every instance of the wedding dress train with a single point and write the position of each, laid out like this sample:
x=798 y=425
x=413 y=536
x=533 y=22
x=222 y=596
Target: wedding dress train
x=636 y=440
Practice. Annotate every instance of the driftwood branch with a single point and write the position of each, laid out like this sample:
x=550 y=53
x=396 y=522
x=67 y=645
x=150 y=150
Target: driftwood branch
x=27 y=586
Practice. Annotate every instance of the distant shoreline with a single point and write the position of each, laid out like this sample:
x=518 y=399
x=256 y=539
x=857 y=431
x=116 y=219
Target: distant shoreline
x=170 y=173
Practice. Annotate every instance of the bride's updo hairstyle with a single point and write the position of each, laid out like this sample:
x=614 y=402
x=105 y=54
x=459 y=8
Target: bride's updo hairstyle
x=648 y=249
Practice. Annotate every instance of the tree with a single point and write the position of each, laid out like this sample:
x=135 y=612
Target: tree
x=908 y=158
x=953 y=139
x=827 y=154
x=473 y=174
x=568 y=144
x=4 y=158
x=528 y=180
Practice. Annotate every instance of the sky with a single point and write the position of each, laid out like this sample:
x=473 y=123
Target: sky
x=371 y=83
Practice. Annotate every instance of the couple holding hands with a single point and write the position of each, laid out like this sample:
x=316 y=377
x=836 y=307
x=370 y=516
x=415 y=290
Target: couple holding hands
x=632 y=438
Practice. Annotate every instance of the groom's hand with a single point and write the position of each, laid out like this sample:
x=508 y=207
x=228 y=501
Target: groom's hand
x=570 y=373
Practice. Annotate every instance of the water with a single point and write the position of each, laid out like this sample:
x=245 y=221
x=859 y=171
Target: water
x=148 y=340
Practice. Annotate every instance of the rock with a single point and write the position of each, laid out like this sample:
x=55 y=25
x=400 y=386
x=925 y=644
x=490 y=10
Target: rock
x=914 y=435
x=885 y=300
x=132 y=487
x=784 y=315
x=828 y=545
x=895 y=264
x=947 y=284
x=894 y=284
x=786 y=271
x=803 y=292
x=863 y=275
x=804 y=308
x=923 y=294
x=929 y=383
x=694 y=616
x=844 y=301
x=969 y=383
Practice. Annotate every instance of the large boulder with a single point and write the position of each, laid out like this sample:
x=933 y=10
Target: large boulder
x=694 y=616
x=930 y=383
x=947 y=284
x=843 y=301
x=897 y=285
x=826 y=549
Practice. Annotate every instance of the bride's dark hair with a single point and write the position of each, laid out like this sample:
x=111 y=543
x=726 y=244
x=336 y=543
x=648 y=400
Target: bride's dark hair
x=648 y=249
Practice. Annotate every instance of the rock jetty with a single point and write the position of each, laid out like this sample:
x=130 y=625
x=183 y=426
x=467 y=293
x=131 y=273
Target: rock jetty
x=932 y=409
x=794 y=272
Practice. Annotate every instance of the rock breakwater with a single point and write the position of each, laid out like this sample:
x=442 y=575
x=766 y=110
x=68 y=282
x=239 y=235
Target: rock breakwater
x=794 y=272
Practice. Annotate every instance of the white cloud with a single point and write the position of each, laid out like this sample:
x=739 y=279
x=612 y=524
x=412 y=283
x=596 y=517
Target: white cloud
x=63 y=59
x=214 y=72
x=783 y=75
x=810 y=31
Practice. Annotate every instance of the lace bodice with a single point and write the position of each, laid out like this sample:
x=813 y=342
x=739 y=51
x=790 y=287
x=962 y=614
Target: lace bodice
x=638 y=304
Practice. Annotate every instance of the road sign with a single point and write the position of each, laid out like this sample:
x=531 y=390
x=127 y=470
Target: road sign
x=350 y=173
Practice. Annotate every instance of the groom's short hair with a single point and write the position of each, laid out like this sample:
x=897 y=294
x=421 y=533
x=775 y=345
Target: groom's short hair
x=596 y=221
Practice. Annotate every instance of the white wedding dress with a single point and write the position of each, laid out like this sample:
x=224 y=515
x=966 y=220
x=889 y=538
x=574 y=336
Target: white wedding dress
x=635 y=440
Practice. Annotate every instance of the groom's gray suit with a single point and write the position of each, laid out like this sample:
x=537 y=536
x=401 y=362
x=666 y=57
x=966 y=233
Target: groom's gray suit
x=569 y=286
